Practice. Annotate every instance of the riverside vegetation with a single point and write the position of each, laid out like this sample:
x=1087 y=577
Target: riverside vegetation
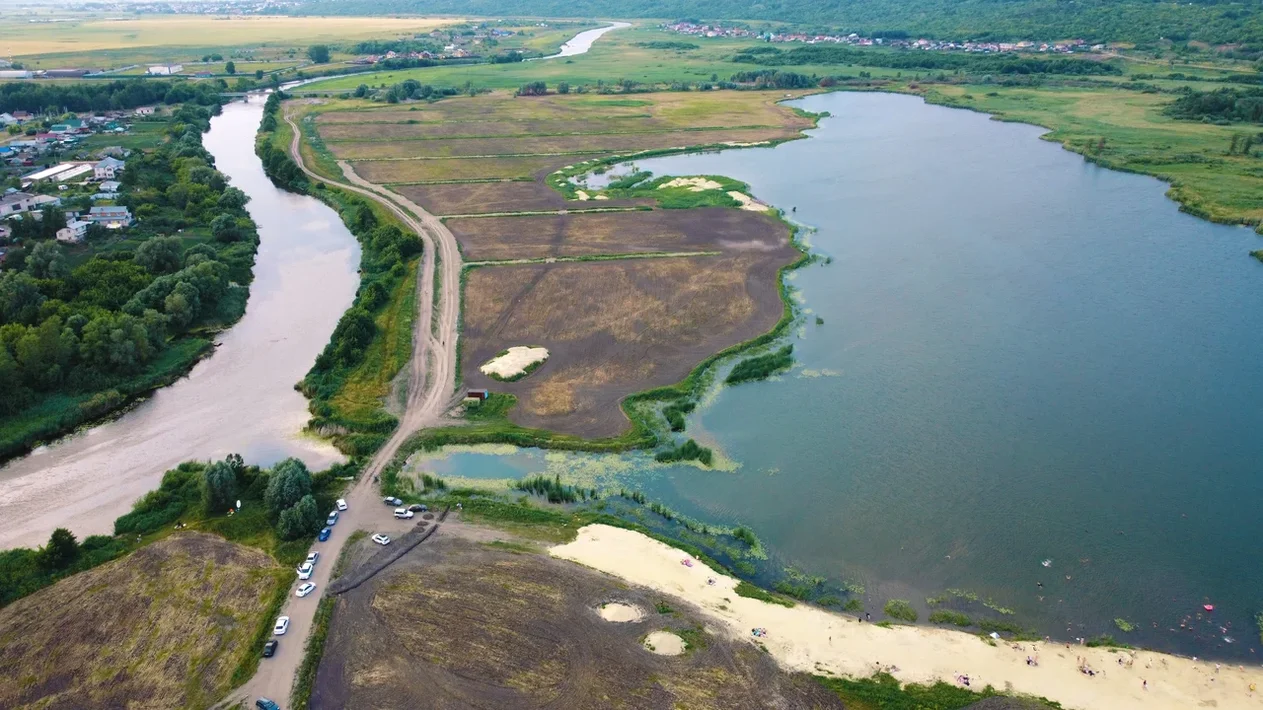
x=373 y=339
x=87 y=328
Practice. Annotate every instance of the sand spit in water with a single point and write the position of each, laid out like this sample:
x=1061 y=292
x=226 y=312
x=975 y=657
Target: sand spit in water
x=694 y=184
x=811 y=640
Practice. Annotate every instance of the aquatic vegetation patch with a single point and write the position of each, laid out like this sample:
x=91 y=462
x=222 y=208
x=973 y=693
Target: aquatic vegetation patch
x=1124 y=625
x=688 y=451
x=946 y=616
x=900 y=609
x=761 y=367
x=745 y=589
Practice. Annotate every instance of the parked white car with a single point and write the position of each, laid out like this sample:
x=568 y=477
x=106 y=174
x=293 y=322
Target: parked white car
x=381 y=539
x=403 y=513
x=282 y=625
x=305 y=570
x=312 y=557
x=341 y=504
x=305 y=589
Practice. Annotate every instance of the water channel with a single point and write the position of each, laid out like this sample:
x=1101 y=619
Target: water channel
x=582 y=42
x=1024 y=357
x=242 y=399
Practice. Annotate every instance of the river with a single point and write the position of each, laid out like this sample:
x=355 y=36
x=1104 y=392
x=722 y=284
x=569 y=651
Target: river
x=582 y=42
x=1024 y=357
x=241 y=399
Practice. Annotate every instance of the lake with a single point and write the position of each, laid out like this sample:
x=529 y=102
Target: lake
x=1024 y=357
x=241 y=399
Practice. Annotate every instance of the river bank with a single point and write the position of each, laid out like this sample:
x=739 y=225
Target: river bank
x=239 y=400
x=810 y=640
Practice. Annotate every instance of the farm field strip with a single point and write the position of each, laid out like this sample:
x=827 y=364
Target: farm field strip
x=536 y=213
x=395 y=171
x=358 y=159
x=383 y=137
x=548 y=145
x=594 y=257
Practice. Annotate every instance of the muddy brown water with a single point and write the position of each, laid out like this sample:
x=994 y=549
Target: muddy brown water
x=241 y=399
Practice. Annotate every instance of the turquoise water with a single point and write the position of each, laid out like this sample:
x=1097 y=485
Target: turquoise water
x=1024 y=357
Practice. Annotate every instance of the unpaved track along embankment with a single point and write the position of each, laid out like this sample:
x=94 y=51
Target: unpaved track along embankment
x=431 y=391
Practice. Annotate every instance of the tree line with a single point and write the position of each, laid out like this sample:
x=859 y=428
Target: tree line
x=1006 y=63
x=1223 y=105
x=118 y=95
x=71 y=328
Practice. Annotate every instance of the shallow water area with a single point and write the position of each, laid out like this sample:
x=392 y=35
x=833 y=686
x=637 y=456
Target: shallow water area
x=1023 y=357
x=241 y=399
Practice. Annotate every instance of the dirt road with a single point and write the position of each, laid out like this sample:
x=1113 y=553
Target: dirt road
x=431 y=391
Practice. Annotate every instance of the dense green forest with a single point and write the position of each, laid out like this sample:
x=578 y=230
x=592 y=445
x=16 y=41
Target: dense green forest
x=81 y=329
x=1144 y=23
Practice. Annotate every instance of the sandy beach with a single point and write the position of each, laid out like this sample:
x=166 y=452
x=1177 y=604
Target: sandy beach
x=812 y=640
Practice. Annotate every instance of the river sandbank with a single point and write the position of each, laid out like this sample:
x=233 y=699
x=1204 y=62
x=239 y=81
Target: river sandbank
x=812 y=640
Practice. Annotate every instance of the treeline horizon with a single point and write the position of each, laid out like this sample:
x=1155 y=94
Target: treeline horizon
x=1142 y=23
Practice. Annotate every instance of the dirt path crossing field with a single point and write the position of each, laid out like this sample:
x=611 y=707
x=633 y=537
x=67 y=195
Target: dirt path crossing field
x=431 y=391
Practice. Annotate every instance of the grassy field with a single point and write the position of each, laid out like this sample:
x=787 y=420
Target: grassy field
x=614 y=57
x=165 y=627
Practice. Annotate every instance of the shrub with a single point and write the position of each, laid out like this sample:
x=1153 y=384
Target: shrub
x=901 y=609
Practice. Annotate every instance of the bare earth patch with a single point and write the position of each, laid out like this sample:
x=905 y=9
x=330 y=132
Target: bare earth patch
x=462 y=624
x=620 y=612
x=614 y=327
x=664 y=643
x=514 y=362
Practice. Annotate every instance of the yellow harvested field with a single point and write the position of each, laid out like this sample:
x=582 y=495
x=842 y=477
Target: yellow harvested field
x=20 y=39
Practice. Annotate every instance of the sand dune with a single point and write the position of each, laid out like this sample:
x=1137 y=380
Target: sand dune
x=812 y=640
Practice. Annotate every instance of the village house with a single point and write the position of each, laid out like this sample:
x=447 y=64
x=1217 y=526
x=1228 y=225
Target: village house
x=74 y=232
x=110 y=217
x=15 y=203
x=109 y=186
x=108 y=169
x=7 y=119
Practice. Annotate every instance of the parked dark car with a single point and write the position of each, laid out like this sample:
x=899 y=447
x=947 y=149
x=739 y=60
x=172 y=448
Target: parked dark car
x=418 y=508
x=324 y=534
x=269 y=648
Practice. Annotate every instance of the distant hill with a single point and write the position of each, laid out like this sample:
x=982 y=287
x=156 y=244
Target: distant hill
x=1143 y=23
